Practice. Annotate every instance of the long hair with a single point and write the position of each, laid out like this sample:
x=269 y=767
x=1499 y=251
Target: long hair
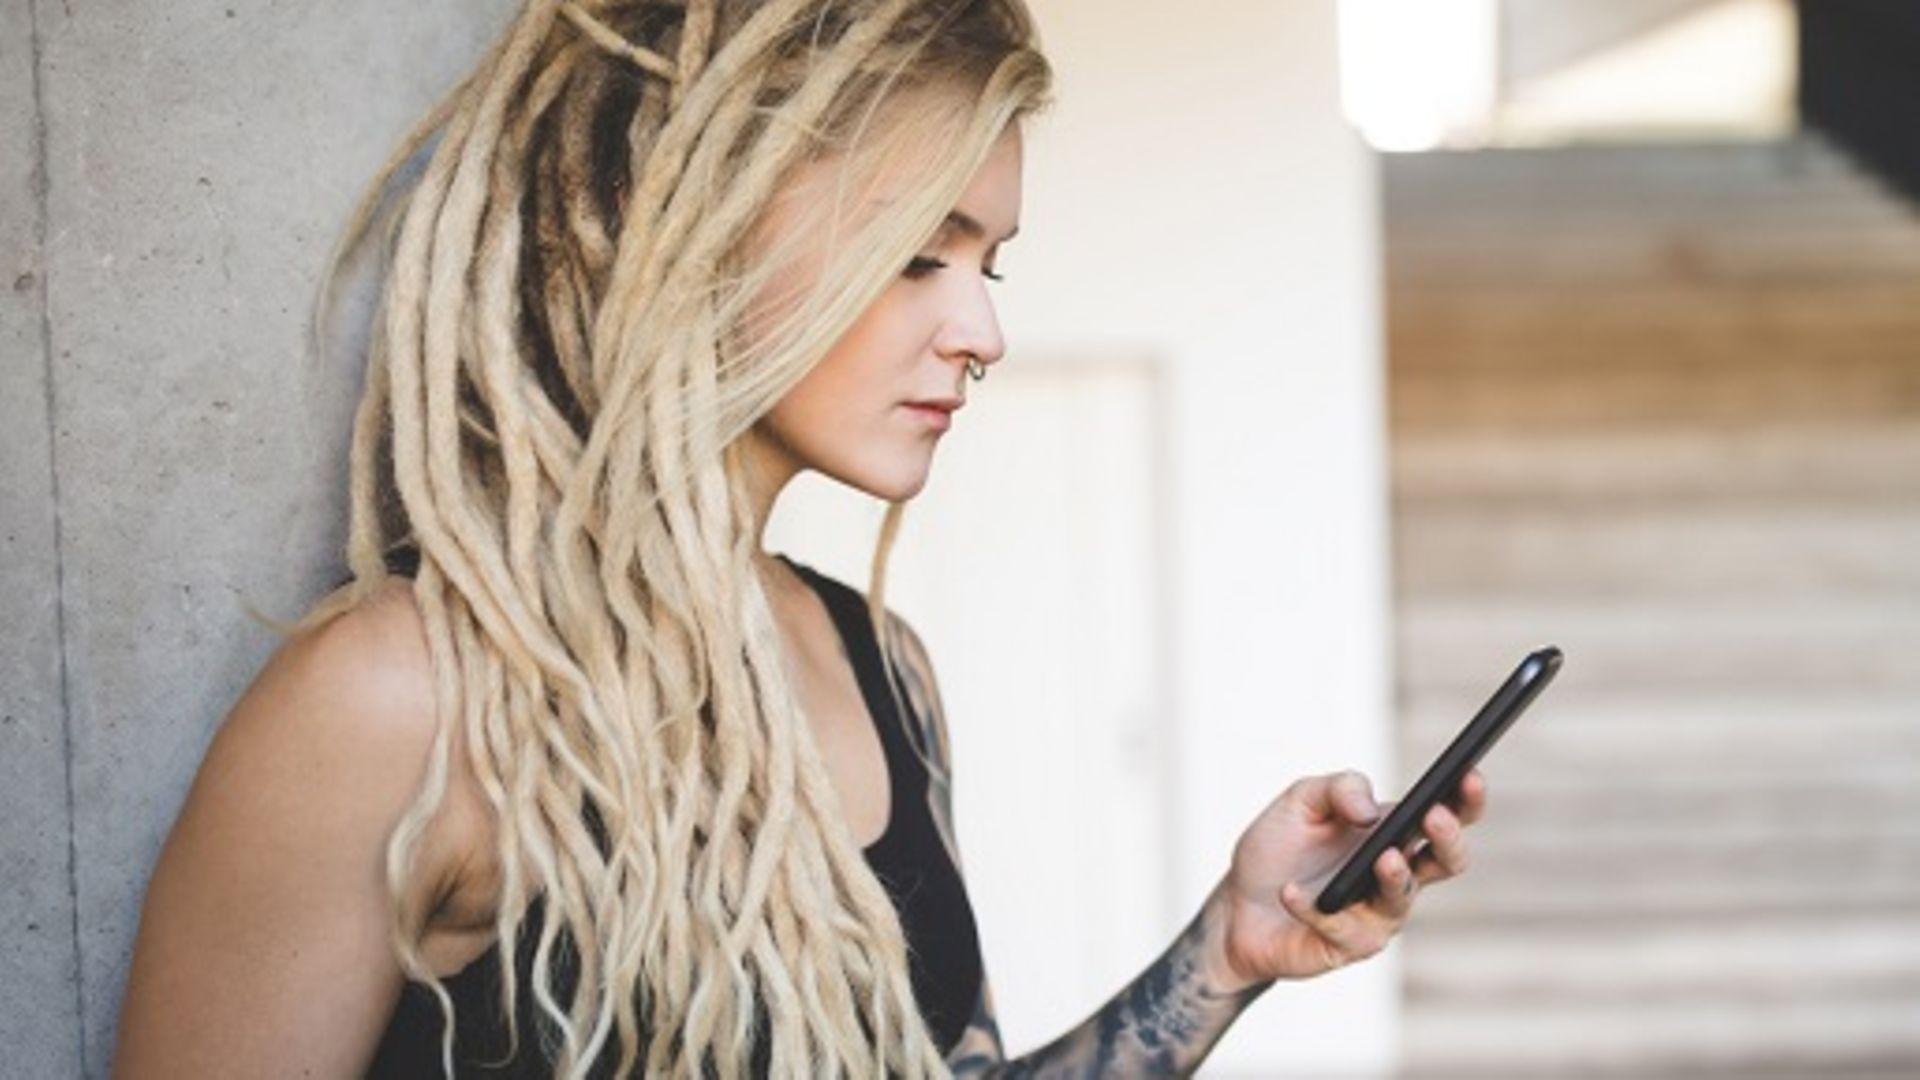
x=555 y=390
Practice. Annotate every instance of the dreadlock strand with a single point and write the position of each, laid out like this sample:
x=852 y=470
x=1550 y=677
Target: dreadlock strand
x=607 y=38
x=498 y=317
x=595 y=88
x=696 y=39
x=661 y=165
x=447 y=301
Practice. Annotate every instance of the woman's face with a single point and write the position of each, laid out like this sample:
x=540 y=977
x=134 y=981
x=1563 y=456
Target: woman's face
x=849 y=417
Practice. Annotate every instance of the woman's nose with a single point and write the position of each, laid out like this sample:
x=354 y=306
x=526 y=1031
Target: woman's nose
x=975 y=332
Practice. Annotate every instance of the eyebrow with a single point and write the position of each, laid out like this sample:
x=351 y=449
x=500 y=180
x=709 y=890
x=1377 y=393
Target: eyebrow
x=970 y=225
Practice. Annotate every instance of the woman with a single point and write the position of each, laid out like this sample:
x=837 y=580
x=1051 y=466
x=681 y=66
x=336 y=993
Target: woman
x=573 y=777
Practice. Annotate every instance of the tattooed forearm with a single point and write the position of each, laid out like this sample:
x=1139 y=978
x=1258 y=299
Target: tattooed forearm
x=1164 y=1023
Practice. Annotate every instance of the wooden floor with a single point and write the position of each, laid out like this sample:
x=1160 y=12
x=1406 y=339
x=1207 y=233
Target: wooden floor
x=1661 y=407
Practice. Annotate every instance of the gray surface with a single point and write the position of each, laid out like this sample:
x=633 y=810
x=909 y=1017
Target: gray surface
x=199 y=157
x=39 y=1011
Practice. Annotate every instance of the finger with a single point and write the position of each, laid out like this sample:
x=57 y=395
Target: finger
x=1416 y=834
x=1440 y=820
x=1397 y=884
x=1337 y=928
x=1339 y=795
x=1427 y=867
x=1412 y=843
x=1448 y=842
x=1470 y=801
x=1352 y=794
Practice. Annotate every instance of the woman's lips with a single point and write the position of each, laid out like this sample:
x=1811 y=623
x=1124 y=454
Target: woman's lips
x=937 y=418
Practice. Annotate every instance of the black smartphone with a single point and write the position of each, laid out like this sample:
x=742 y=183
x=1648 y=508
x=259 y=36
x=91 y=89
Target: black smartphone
x=1355 y=880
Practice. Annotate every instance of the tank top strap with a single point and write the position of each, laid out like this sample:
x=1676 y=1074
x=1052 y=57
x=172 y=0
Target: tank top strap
x=849 y=610
x=911 y=859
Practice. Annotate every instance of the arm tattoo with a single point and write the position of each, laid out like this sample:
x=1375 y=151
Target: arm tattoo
x=1164 y=1023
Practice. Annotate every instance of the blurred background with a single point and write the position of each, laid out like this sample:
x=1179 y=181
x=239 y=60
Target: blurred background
x=1653 y=317
x=1357 y=348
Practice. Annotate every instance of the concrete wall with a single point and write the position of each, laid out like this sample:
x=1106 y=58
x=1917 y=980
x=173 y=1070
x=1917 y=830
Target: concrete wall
x=170 y=178
x=39 y=1009
x=166 y=453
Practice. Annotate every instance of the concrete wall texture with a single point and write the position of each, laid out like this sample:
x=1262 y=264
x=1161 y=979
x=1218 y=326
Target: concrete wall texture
x=171 y=177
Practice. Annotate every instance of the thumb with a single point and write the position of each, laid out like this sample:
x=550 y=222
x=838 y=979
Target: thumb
x=1346 y=795
x=1352 y=793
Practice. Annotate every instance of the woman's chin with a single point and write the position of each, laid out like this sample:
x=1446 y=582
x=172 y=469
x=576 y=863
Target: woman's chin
x=895 y=475
x=904 y=481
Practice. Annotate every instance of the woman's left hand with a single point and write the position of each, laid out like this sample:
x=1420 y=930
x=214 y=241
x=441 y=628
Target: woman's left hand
x=1272 y=929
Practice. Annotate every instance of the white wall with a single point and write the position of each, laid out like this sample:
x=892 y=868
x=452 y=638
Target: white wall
x=1195 y=199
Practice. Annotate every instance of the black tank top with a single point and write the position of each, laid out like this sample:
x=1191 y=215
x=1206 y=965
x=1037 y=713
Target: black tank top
x=909 y=858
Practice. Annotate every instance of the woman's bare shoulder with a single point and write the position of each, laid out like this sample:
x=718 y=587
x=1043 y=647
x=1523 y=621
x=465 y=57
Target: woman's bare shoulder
x=375 y=657
x=268 y=909
x=351 y=700
x=346 y=714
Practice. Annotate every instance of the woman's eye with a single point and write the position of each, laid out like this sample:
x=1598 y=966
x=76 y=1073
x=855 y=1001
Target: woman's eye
x=923 y=265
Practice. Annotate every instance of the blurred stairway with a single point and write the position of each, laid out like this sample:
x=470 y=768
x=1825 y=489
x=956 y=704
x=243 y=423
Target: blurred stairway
x=1661 y=406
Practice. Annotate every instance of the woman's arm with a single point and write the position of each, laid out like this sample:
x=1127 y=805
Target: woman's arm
x=1164 y=1023
x=263 y=945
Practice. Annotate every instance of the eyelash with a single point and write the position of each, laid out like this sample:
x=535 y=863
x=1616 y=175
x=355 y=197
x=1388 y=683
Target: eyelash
x=921 y=266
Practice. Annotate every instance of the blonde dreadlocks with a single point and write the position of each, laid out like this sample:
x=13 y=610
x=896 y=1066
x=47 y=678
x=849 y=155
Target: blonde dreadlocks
x=555 y=383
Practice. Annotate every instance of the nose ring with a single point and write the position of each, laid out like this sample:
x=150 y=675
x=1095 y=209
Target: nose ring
x=975 y=369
